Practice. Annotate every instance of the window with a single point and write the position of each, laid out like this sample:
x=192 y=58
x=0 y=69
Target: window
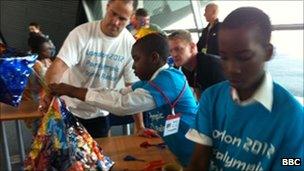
x=286 y=66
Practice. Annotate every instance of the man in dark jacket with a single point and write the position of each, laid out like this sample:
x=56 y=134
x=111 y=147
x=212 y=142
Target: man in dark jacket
x=202 y=70
x=208 y=40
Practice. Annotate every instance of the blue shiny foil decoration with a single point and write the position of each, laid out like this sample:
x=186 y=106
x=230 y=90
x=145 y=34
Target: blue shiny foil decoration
x=14 y=73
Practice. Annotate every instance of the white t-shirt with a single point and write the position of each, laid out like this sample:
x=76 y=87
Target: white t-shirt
x=95 y=61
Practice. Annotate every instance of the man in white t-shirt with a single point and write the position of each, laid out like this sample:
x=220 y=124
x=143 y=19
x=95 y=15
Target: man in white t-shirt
x=96 y=55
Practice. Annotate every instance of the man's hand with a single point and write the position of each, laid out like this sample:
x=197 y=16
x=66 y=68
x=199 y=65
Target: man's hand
x=44 y=103
x=55 y=89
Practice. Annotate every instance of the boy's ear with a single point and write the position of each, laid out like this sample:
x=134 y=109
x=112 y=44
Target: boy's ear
x=269 y=51
x=155 y=57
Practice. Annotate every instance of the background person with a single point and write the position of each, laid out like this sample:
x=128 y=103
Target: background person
x=35 y=28
x=202 y=70
x=140 y=24
x=208 y=42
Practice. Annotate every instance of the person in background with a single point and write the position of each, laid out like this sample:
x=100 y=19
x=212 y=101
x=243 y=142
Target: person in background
x=163 y=93
x=131 y=25
x=96 y=55
x=248 y=122
x=35 y=88
x=42 y=47
x=202 y=70
x=35 y=28
x=140 y=24
x=208 y=42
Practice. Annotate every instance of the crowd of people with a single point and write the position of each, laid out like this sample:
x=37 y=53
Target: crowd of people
x=230 y=114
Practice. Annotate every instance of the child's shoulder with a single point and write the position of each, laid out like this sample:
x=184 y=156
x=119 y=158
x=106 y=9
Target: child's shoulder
x=171 y=74
x=172 y=71
x=216 y=93
x=138 y=84
x=218 y=89
x=288 y=111
x=284 y=101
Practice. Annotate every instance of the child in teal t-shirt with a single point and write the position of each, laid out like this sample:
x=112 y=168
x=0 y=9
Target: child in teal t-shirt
x=248 y=122
x=162 y=91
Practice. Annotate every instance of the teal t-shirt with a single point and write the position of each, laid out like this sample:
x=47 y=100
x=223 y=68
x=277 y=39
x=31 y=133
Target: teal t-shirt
x=251 y=137
x=171 y=82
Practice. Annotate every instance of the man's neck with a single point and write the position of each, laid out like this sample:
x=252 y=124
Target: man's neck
x=212 y=23
x=191 y=65
x=103 y=29
x=155 y=69
x=144 y=26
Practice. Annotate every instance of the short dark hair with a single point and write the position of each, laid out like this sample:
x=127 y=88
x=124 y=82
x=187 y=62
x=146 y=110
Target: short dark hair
x=250 y=17
x=141 y=12
x=34 y=24
x=154 y=42
x=135 y=3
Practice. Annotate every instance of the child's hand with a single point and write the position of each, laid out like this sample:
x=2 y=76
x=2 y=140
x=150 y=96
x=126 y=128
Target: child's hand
x=61 y=89
x=146 y=132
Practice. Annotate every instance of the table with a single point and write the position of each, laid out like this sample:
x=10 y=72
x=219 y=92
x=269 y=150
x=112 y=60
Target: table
x=120 y=146
x=26 y=110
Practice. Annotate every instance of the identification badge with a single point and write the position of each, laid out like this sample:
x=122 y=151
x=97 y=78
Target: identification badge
x=172 y=124
x=204 y=50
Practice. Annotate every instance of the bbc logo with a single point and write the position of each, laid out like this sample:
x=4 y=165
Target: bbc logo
x=291 y=162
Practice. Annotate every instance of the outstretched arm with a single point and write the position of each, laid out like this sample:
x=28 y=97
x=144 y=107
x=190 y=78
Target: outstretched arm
x=110 y=100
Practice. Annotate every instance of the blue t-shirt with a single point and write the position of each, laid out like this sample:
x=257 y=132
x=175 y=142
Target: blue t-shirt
x=171 y=81
x=251 y=137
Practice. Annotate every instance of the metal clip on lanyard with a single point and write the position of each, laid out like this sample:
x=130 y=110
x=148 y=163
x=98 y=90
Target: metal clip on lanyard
x=166 y=98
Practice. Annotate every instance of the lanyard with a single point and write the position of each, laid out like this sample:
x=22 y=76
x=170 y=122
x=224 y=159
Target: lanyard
x=207 y=37
x=166 y=98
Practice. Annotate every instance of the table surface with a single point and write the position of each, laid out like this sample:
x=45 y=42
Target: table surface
x=26 y=110
x=118 y=147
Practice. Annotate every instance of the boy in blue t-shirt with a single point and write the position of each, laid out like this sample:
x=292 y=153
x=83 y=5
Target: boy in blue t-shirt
x=162 y=91
x=248 y=122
